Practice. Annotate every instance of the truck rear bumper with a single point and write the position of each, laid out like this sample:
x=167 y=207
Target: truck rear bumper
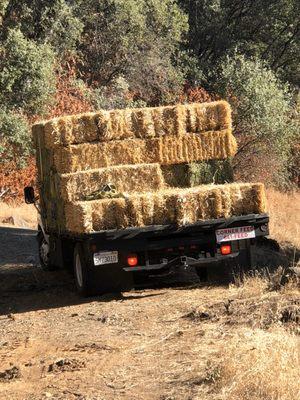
x=181 y=261
x=160 y=249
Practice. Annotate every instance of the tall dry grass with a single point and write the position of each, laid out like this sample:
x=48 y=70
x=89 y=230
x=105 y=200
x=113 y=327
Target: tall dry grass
x=284 y=209
x=23 y=215
x=259 y=365
x=259 y=356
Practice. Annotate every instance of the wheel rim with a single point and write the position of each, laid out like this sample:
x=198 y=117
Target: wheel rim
x=44 y=252
x=78 y=270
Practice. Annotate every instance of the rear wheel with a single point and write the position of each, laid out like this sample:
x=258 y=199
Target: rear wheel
x=91 y=280
x=82 y=274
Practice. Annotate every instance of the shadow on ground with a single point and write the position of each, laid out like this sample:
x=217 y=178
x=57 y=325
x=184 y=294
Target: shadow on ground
x=25 y=287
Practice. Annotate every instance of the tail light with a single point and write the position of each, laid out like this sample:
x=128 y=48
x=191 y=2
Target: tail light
x=132 y=260
x=225 y=249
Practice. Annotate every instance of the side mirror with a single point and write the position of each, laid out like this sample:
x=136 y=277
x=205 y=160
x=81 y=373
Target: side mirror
x=29 y=195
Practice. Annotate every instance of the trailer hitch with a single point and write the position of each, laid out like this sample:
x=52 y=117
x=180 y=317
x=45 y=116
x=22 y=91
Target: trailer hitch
x=175 y=264
x=169 y=266
x=181 y=261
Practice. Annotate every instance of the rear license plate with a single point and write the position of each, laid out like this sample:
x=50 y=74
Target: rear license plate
x=239 y=233
x=107 y=257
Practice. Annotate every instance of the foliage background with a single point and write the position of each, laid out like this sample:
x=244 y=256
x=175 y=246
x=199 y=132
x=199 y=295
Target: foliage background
x=67 y=56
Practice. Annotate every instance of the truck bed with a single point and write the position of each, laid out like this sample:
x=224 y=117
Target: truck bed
x=258 y=220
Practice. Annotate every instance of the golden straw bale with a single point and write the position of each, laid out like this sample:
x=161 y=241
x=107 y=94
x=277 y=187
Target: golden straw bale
x=174 y=120
x=109 y=212
x=202 y=117
x=224 y=115
x=165 y=150
x=134 y=123
x=127 y=178
x=169 y=206
x=248 y=196
x=151 y=209
x=118 y=125
x=157 y=117
x=259 y=198
x=79 y=217
x=37 y=133
x=169 y=120
x=102 y=214
x=71 y=129
x=142 y=123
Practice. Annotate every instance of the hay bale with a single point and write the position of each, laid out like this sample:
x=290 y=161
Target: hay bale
x=166 y=150
x=78 y=154
x=71 y=129
x=201 y=117
x=78 y=217
x=169 y=206
x=134 y=123
x=127 y=178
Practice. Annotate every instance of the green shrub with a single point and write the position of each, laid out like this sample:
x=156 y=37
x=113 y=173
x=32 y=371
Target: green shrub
x=137 y=40
x=265 y=29
x=115 y=96
x=51 y=22
x=15 y=140
x=262 y=110
x=27 y=80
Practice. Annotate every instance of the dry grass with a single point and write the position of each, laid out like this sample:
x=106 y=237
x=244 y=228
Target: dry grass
x=254 y=353
x=284 y=211
x=23 y=216
x=259 y=365
x=178 y=343
x=262 y=363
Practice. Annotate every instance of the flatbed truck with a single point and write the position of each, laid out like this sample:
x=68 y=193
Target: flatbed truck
x=109 y=260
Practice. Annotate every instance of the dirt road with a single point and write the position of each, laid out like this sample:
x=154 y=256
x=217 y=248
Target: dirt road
x=153 y=343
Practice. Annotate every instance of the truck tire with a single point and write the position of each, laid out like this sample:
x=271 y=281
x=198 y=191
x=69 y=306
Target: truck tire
x=91 y=281
x=43 y=248
x=83 y=278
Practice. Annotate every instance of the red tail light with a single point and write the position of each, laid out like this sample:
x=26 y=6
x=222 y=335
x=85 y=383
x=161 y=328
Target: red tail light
x=225 y=249
x=132 y=260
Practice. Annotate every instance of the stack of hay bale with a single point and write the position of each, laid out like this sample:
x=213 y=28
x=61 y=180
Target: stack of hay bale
x=78 y=155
